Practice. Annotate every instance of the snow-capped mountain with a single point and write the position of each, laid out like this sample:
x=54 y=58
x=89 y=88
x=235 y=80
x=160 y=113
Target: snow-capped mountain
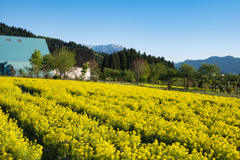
x=110 y=48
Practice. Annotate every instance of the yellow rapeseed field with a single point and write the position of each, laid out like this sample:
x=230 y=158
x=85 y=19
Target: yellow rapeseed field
x=55 y=119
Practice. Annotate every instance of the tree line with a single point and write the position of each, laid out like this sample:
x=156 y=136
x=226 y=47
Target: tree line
x=207 y=77
x=123 y=60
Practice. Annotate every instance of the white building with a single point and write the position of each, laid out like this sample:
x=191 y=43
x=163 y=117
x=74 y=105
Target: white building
x=76 y=72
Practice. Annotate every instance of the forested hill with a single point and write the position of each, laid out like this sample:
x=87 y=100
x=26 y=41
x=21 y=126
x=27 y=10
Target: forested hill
x=13 y=31
x=120 y=60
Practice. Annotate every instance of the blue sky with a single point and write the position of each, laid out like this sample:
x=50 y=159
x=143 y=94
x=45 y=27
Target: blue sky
x=175 y=29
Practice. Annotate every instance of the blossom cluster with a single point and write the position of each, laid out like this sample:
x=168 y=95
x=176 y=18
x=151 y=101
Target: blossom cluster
x=13 y=145
x=87 y=120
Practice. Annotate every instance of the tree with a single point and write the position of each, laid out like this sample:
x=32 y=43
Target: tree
x=208 y=73
x=167 y=75
x=128 y=76
x=105 y=63
x=22 y=73
x=36 y=62
x=154 y=76
x=123 y=61
x=13 y=71
x=93 y=65
x=63 y=60
x=29 y=71
x=155 y=71
x=144 y=77
x=114 y=61
x=139 y=66
x=232 y=83
x=111 y=74
x=46 y=65
x=84 y=70
x=187 y=72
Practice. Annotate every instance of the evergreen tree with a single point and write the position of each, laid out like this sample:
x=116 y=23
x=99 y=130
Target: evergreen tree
x=46 y=65
x=116 y=62
x=36 y=62
x=111 y=61
x=123 y=61
x=105 y=63
x=144 y=56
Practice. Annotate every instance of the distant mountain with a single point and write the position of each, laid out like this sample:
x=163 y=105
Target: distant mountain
x=228 y=64
x=110 y=48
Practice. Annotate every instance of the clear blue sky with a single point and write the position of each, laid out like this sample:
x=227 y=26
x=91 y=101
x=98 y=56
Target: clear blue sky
x=174 y=29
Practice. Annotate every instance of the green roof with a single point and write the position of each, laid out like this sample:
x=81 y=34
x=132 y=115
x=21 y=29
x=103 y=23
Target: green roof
x=20 y=48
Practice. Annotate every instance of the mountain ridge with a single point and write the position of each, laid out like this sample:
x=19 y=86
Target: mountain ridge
x=228 y=64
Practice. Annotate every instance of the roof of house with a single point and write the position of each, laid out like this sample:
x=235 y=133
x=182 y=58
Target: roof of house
x=20 y=48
